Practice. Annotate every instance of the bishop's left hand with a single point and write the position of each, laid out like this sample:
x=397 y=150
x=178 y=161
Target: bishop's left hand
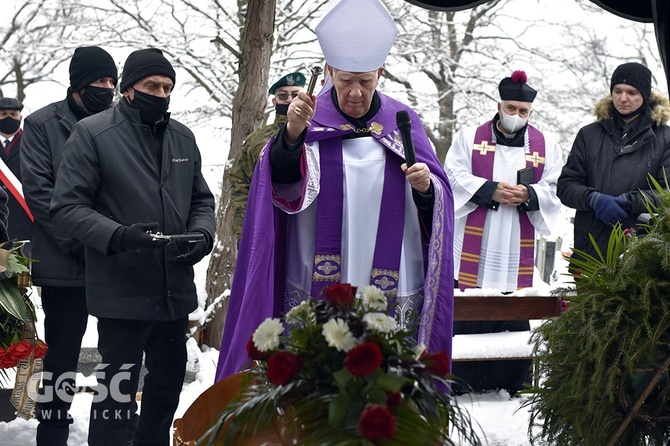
x=418 y=176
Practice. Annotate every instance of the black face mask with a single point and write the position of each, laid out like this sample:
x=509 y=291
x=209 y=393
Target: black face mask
x=97 y=99
x=9 y=125
x=152 y=108
x=281 y=109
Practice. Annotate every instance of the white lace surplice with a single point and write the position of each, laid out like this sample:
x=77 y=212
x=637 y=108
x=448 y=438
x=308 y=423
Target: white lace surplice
x=364 y=161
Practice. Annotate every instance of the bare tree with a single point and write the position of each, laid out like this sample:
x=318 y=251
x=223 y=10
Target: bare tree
x=22 y=61
x=448 y=64
x=292 y=26
x=436 y=45
x=254 y=61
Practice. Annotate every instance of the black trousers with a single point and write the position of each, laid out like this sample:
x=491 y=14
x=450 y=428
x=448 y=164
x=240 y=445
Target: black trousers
x=65 y=318
x=121 y=344
x=510 y=375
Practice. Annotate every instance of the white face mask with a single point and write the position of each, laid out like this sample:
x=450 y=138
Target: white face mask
x=512 y=123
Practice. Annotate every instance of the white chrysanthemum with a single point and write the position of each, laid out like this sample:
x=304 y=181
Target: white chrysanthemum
x=373 y=298
x=418 y=350
x=266 y=336
x=338 y=335
x=380 y=322
x=294 y=315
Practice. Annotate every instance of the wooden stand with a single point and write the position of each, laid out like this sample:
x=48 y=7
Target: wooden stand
x=505 y=308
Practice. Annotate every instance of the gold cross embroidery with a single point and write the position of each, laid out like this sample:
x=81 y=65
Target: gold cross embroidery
x=484 y=147
x=536 y=159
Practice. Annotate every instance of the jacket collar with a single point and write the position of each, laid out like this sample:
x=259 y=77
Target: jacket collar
x=66 y=116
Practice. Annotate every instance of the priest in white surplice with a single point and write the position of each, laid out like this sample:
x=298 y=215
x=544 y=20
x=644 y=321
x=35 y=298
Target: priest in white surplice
x=503 y=174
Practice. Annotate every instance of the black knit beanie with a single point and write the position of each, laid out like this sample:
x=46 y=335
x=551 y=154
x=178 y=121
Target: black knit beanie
x=634 y=74
x=143 y=63
x=90 y=63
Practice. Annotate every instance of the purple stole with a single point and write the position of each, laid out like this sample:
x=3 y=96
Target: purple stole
x=483 y=154
x=388 y=246
x=258 y=290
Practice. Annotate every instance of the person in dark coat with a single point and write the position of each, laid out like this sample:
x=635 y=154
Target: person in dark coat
x=126 y=172
x=59 y=268
x=21 y=220
x=606 y=177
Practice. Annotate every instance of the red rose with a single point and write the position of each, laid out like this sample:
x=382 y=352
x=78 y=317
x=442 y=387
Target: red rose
x=341 y=294
x=376 y=422
x=283 y=367
x=5 y=360
x=393 y=399
x=363 y=359
x=437 y=363
x=40 y=349
x=254 y=353
x=20 y=350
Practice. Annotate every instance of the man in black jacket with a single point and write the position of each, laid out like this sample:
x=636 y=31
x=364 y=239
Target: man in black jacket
x=60 y=266
x=606 y=177
x=126 y=172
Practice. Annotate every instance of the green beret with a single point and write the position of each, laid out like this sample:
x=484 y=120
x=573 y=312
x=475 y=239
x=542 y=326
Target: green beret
x=290 y=80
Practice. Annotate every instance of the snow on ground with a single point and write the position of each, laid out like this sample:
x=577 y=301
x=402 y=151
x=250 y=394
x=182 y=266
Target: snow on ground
x=501 y=419
x=498 y=415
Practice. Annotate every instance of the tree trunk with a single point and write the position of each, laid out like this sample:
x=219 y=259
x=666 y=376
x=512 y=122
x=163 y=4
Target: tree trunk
x=249 y=101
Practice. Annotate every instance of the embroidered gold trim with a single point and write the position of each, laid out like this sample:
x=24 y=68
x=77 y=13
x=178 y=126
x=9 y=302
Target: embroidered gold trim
x=375 y=128
x=324 y=266
x=484 y=148
x=386 y=280
x=536 y=159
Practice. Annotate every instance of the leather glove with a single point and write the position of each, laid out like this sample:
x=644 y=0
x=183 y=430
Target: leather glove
x=607 y=208
x=197 y=251
x=135 y=237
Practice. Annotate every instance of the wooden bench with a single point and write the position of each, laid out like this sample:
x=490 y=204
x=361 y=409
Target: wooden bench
x=505 y=308
x=505 y=345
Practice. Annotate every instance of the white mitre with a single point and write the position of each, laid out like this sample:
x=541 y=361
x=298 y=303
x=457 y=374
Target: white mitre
x=356 y=35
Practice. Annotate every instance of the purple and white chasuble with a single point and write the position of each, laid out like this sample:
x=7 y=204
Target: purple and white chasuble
x=350 y=219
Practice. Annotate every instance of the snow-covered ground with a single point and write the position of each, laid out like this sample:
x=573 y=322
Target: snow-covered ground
x=499 y=416
x=501 y=419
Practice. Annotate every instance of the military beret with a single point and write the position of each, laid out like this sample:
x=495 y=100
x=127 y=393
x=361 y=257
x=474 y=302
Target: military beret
x=290 y=80
x=10 y=104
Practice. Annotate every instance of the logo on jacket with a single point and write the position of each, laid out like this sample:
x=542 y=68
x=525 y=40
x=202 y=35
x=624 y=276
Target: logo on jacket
x=179 y=160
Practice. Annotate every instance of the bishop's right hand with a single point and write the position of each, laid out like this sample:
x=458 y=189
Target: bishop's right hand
x=300 y=111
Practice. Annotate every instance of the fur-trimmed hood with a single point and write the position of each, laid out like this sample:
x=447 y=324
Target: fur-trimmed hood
x=660 y=108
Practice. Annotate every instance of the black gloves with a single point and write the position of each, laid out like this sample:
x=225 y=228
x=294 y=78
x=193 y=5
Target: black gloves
x=135 y=237
x=609 y=209
x=196 y=252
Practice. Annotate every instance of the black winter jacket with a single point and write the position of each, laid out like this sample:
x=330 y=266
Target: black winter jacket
x=600 y=160
x=110 y=177
x=60 y=258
